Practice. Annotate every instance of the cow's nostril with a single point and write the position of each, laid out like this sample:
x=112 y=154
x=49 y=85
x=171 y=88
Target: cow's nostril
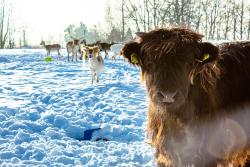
x=168 y=97
x=160 y=94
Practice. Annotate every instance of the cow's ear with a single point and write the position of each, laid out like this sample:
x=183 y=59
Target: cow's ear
x=131 y=51
x=96 y=48
x=83 y=47
x=140 y=34
x=209 y=52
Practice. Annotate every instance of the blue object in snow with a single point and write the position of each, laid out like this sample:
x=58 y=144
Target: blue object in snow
x=88 y=133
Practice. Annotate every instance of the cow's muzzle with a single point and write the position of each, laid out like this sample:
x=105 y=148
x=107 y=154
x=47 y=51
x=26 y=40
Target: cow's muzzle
x=167 y=97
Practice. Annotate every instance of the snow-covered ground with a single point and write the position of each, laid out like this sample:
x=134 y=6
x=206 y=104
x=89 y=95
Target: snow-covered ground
x=46 y=110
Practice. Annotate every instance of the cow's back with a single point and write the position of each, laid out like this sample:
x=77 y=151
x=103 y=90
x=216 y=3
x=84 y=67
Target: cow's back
x=234 y=84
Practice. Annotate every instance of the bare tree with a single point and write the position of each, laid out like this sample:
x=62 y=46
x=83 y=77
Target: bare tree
x=235 y=18
x=25 y=43
x=226 y=16
x=123 y=21
x=217 y=19
x=11 y=40
x=248 y=32
x=109 y=17
x=164 y=13
x=213 y=18
x=5 y=27
x=115 y=33
x=241 y=14
x=146 y=15
x=155 y=6
x=133 y=13
x=197 y=16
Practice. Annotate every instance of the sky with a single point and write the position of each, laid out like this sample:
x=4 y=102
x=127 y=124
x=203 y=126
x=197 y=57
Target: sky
x=47 y=19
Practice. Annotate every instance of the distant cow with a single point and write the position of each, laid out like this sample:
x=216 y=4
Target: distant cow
x=52 y=47
x=73 y=47
x=104 y=47
x=199 y=97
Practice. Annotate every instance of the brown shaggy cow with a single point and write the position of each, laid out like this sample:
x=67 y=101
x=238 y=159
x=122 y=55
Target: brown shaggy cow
x=199 y=97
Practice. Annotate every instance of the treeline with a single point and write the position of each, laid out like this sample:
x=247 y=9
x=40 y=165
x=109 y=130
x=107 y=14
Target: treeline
x=6 y=30
x=216 y=19
x=95 y=33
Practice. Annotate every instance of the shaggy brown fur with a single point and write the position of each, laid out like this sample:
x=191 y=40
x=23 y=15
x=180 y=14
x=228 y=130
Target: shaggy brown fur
x=199 y=97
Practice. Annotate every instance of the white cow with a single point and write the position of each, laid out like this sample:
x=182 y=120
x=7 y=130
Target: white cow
x=96 y=62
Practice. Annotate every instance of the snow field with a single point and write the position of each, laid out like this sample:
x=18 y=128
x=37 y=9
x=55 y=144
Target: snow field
x=45 y=108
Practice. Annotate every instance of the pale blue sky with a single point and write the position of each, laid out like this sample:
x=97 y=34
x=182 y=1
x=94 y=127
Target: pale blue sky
x=47 y=18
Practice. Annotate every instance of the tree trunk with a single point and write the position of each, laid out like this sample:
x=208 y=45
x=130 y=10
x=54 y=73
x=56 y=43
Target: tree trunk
x=4 y=24
x=177 y=12
x=123 y=21
x=235 y=29
x=241 y=19
x=248 y=32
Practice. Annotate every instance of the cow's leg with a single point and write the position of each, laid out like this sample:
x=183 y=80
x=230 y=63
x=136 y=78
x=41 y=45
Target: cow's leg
x=68 y=56
x=59 y=54
x=92 y=76
x=97 y=77
x=106 y=54
x=81 y=57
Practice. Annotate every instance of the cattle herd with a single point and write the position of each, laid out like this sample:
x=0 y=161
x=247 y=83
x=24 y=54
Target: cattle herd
x=77 y=49
x=199 y=95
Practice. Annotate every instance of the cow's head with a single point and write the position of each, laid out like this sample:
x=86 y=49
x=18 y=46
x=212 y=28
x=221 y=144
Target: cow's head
x=90 y=52
x=167 y=58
